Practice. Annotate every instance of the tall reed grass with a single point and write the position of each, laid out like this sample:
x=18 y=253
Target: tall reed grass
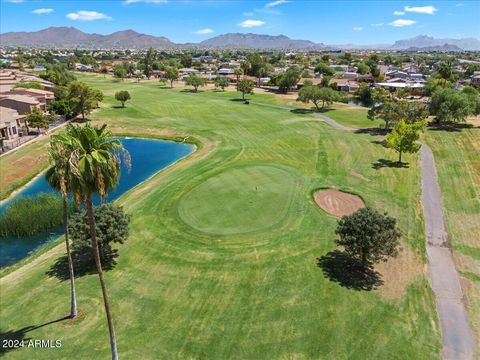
x=31 y=215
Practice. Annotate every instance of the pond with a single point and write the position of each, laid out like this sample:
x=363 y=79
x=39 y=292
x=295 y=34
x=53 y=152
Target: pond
x=358 y=102
x=148 y=157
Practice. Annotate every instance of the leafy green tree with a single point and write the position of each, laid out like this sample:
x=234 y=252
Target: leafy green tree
x=83 y=98
x=317 y=95
x=403 y=137
x=450 y=105
x=122 y=96
x=62 y=107
x=58 y=176
x=95 y=166
x=171 y=74
x=195 y=81
x=324 y=69
x=221 y=82
x=245 y=87
x=148 y=61
x=368 y=236
x=434 y=84
x=325 y=81
x=256 y=64
x=37 y=119
x=362 y=68
x=186 y=60
x=289 y=79
x=473 y=98
x=111 y=226
x=471 y=68
x=120 y=72
x=392 y=110
x=445 y=72
x=58 y=74
x=364 y=93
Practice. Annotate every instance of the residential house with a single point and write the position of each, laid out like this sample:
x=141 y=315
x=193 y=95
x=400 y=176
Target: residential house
x=225 y=71
x=349 y=75
x=43 y=96
x=392 y=86
x=9 y=124
x=475 y=79
x=23 y=104
x=346 y=85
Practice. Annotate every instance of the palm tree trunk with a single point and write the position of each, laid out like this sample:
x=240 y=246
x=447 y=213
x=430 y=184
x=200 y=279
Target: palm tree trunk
x=96 y=255
x=73 y=306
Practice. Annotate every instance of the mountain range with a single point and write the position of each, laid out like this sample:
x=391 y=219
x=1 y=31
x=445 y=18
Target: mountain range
x=70 y=37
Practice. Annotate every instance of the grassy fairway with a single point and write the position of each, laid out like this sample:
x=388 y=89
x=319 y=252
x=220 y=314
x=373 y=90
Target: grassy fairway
x=222 y=258
x=18 y=167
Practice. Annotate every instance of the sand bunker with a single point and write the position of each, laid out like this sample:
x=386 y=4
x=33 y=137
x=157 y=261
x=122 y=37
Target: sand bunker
x=338 y=203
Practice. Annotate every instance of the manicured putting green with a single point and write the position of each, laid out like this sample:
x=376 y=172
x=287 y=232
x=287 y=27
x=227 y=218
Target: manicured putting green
x=245 y=199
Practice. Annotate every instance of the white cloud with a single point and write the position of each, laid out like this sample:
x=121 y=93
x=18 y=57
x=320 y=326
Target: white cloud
x=402 y=22
x=377 y=24
x=251 y=23
x=88 y=16
x=275 y=3
x=204 y=31
x=126 y=2
x=357 y=28
x=42 y=11
x=398 y=13
x=430 y=10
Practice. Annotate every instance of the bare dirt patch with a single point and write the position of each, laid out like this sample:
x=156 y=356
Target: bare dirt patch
x=338 y=203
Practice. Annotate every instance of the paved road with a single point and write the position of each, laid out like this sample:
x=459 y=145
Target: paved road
x=457 y=335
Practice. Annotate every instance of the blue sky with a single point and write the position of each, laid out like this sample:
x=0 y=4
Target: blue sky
x=331 y=22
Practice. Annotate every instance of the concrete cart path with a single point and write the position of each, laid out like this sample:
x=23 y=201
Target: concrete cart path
x=322 y=117
x=457 y=336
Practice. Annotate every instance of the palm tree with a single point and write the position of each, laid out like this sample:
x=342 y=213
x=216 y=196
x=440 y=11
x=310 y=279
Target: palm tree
x=57 y=177
x=238 y=72
x=95 y=165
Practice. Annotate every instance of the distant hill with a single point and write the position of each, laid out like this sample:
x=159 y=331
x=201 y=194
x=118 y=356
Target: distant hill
x=439 y=48
x=424 y=41
x=256 y=41
x=72 y=37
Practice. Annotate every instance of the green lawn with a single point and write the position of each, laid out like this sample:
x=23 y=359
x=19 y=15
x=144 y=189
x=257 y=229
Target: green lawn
x=221 y=262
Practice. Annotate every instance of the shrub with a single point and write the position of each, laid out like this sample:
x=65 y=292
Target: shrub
x=111 y=225
x=31 y=215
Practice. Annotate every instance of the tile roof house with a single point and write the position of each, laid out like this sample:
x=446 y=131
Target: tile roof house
x=23 y=104
x=43 y=96
x=346 y=85
x=9 y=123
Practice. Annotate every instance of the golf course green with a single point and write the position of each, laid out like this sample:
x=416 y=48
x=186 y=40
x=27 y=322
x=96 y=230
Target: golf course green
x=222 y=258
